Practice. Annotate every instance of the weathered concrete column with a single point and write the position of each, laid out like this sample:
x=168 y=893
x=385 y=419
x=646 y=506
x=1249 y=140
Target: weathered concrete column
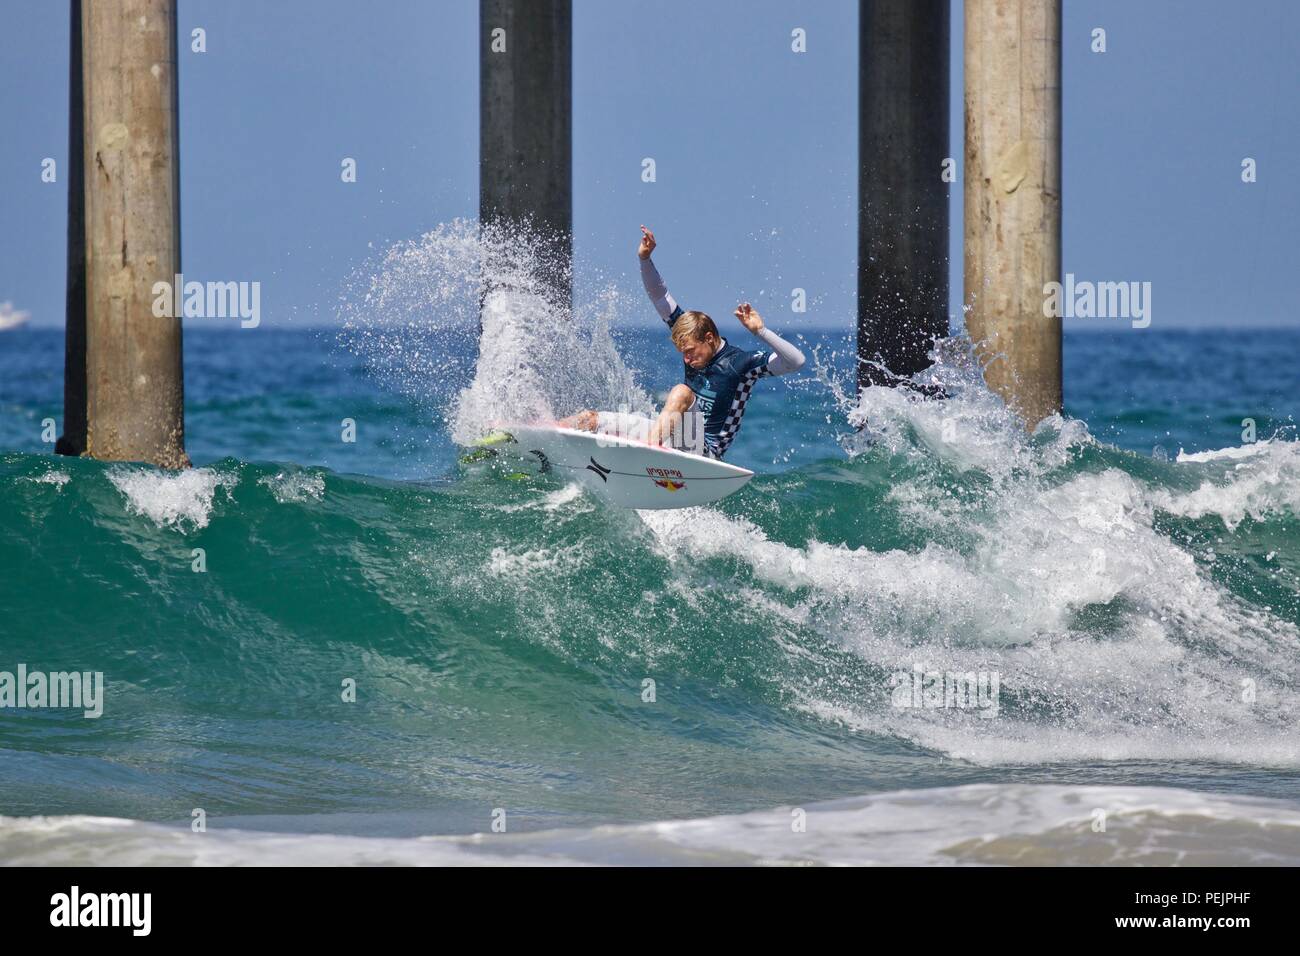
x=526 y=120
x=1013 y=197
x=73 y=439
x=134 y=393
x=902 y=198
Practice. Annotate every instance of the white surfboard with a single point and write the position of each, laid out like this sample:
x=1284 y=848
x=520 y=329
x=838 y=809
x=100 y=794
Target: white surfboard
x=626 y=472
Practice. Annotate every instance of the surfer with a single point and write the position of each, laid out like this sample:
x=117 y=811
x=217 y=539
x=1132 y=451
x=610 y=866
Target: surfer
x=718 y=376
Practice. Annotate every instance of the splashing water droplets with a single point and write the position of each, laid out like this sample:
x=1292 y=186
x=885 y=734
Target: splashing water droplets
x=505 y=285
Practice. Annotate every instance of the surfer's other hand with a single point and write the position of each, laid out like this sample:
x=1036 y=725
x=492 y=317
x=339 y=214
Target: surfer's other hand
x=749 y=318
x=647 y=243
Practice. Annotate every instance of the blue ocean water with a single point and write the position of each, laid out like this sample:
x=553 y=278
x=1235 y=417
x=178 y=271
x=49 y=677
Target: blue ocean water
x=1140 y=606
x=275 y=395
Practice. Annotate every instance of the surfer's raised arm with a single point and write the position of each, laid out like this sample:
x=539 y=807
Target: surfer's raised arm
x=785 y=358
x=655 y=286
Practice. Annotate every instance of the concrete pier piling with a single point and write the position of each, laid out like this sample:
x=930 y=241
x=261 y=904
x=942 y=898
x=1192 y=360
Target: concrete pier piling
x=132 y=363
x=526 y=121
x=903 y=198
x=1013 y=197
x=73 y=439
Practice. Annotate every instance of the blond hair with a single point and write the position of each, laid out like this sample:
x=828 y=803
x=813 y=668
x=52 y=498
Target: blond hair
x=693 y=326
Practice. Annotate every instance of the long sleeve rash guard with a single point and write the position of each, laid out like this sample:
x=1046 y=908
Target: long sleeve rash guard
x=722 y=387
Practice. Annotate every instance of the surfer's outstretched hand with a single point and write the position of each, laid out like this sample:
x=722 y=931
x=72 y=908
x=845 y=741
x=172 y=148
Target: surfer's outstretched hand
x=647 y=243
x=749 y=318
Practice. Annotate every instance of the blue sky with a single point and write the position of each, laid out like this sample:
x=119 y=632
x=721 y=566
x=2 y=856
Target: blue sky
x=755 y=146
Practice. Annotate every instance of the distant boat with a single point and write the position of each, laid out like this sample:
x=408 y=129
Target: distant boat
x=9 y=319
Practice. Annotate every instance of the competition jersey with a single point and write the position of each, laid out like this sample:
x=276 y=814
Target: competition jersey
x=721 y=390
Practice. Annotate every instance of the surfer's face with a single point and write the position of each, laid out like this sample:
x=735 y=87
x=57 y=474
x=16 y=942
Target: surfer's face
x=699 y=352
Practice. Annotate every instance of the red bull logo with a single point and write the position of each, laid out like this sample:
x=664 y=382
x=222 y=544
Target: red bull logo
x=667 y=478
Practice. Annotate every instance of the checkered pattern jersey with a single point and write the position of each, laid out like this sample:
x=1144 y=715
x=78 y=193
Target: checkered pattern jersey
x=716 y=447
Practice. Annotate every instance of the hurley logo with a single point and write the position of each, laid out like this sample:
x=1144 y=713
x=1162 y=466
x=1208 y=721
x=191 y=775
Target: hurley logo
x=599 y=469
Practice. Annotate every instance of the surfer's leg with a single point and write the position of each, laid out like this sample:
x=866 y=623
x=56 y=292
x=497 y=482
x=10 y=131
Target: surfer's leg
x=680 y=399
x=623 y=424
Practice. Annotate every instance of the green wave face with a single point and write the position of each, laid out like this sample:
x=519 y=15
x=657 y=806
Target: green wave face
x=514 y=644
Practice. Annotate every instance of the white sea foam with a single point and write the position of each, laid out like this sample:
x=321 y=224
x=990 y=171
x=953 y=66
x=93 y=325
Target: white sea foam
x=534 y=561
x=1110 y=640
x=181 y=499
x=1255 y=480
x=53 y=477
x=980 y=825
x=570 y=497
x=294 y=486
